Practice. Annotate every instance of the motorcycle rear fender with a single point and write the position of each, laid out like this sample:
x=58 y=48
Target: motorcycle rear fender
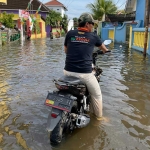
x=52 y=122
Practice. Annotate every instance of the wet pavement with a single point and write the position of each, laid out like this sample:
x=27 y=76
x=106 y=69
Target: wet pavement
x=26 y=74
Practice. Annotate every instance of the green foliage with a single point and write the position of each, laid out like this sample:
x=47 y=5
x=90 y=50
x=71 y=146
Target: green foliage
x=53 y=18
x=36 y=27
x=7 y=20
x=75 y=23
x=101 y=7
x=64 y=22
x=62 y=33
x=3 y=43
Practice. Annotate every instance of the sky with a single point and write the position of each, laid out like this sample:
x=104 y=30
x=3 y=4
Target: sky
x=77 y=7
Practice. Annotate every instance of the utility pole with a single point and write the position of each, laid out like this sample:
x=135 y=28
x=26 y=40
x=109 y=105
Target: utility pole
x=146 y=26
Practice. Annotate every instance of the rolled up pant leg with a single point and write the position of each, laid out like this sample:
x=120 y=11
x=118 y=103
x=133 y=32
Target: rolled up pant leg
x=94 y=89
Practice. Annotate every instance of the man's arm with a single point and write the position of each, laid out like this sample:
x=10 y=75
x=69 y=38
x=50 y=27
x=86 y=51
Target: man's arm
x=103 y=48
x=65 y=49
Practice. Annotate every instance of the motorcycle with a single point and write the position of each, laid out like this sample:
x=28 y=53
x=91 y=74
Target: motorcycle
x=69 y=104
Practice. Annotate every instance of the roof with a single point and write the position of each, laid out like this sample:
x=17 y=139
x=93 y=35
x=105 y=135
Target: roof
x=120 y=17
x=22 y=4
x=54 y=3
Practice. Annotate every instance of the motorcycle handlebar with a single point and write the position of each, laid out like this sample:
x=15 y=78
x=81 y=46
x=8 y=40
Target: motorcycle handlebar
x=97 y=53
x=108 y=51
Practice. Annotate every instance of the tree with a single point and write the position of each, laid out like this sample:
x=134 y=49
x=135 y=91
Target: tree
x=53 y=18
x=102 y=7
x=7 y=20
x=64 y=23
x=75 y=23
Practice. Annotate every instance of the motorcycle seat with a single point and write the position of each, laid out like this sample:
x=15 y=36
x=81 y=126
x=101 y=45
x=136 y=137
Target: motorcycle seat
x=70 y=80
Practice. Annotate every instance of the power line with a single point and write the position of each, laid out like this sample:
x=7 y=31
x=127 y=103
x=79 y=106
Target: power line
x=66 y=2
x=69 y=3
x=117 y=2
x=122 y=5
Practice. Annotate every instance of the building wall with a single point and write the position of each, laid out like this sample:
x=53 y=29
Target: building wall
x=140 y=11
x=104 y=33
x=57 y=9
x=16 y=17
x=70 y=25
x=134 y=6
x=120 y=34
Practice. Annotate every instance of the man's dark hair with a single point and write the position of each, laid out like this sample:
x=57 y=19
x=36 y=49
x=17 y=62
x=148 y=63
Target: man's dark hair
x=81 y=23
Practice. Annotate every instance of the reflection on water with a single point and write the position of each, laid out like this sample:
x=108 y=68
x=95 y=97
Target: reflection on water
x=26 y=74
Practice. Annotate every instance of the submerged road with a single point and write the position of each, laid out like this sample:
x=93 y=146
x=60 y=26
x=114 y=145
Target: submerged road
x=26 y=74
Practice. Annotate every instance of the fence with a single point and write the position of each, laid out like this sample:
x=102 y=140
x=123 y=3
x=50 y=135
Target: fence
x=14 y=36
x=8 y=36
x=137 y=37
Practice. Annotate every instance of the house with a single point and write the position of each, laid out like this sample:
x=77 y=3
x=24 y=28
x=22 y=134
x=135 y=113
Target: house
x=57 y=6
x=13 y=6
x=131 y=32
x=130 y=6
x=139 y=6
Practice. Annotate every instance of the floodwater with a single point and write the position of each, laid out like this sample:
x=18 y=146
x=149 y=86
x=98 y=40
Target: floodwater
x=26 y=74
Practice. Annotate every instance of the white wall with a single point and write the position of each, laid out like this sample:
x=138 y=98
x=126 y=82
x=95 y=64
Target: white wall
x=134 y=6
x=70 y=25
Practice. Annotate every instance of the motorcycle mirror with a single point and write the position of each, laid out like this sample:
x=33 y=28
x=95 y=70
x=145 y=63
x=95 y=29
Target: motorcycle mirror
x=107 y=42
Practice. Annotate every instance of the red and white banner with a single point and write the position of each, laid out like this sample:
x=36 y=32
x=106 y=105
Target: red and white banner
x=23 y=14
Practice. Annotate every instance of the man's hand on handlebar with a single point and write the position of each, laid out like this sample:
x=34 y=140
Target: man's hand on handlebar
x=100 y=52
x=107 y=51
x=104 y=49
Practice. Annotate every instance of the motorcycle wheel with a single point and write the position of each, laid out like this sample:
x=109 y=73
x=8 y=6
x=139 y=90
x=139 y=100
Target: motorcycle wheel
x=58 y=132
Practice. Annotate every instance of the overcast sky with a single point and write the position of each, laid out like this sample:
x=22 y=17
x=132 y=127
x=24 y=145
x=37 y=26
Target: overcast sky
x=76 y=7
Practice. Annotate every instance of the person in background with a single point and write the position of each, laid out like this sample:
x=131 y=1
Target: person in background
x=29 y=34
x=51 y=35
x=79 y=45
x=95 y=31
x=15 y=27
x=2 y=27
x=57 y=34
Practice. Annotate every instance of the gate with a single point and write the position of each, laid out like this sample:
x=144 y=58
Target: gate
x=127 y=33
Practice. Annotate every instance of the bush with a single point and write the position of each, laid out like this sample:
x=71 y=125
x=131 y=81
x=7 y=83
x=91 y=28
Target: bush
x=63 y=33
x=7 y=20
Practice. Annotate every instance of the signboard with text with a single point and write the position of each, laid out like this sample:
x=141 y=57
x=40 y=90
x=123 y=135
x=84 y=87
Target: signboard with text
x=23 y=14
x=3 y=2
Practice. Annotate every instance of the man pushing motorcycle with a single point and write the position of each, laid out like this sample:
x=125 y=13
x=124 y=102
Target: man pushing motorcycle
x=79 y=45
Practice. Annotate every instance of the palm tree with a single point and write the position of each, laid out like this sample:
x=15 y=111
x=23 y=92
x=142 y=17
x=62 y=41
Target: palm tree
x=102 y=7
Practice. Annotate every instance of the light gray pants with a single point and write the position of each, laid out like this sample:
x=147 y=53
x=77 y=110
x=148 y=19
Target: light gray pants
x=94 y=89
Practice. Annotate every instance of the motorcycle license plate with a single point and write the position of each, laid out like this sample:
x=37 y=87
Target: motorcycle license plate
x=59 y=101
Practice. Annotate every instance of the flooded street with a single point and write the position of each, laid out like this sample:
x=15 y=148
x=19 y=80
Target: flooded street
x=26 y=75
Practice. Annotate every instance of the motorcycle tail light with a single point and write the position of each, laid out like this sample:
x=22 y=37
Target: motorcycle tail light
x=53 y=115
